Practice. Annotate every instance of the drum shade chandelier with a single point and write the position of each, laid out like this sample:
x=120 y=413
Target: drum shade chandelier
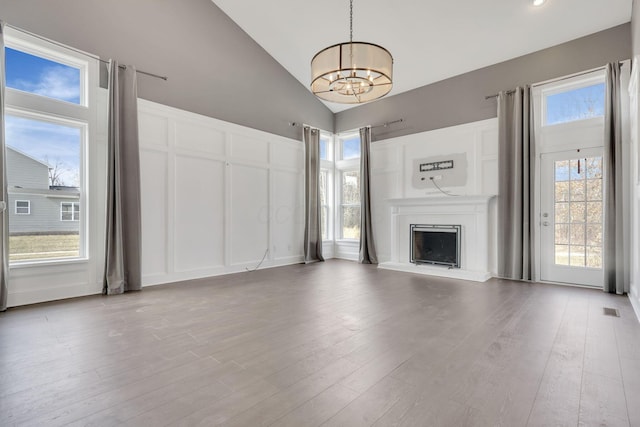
x=352 y=72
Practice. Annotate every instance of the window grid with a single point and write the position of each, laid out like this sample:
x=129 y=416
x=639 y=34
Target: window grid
x=23 y=207
x=578 y=212
x=69 y=211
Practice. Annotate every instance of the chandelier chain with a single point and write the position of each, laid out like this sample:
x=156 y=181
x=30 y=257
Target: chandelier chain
x=351 y=21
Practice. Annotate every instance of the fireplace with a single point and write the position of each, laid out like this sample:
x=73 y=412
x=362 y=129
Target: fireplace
x=435 y=244
x=473 y=235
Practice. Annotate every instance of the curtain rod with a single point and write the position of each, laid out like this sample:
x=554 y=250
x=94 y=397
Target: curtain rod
x=559 y=79
x=81 y=52
x=299 y=125
x=124 y=67
x=384 y=125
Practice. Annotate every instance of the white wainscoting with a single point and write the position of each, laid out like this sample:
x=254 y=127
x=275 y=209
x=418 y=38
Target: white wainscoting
x=392 y=169
x=216 y=196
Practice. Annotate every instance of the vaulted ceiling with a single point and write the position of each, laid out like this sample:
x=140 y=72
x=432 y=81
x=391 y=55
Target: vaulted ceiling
x=429 y=40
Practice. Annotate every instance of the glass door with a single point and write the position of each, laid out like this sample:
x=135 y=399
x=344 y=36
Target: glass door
x=571 y=238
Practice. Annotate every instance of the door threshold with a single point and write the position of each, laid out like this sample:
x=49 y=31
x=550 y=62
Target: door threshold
x=572 y=285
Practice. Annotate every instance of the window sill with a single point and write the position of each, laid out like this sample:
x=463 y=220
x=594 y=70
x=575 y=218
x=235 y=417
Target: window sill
x=347 y=242
x=47 y=263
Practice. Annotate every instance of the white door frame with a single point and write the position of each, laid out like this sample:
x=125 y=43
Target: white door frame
x=585 y=134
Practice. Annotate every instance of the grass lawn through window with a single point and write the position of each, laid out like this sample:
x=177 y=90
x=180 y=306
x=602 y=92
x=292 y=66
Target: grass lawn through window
x=46 y=246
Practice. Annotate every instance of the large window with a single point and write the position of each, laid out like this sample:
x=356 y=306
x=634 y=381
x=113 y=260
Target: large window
x=326 y=180
x=348 y=171
x=47 y=120
x=340 y=186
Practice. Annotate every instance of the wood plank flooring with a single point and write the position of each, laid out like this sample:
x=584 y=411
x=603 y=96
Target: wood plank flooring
x=332 y=344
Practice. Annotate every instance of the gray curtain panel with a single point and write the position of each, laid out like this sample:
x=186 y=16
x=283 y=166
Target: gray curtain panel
x=4 y=199
x=613 y=208
x=367 y=247
x=312 y=231
x=515 y=146
x=124 y=235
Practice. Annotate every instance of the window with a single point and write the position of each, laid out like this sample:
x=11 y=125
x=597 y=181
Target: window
x=350 y=146
x=47 y=118
x=69 y=211
x=41 y=76
x=578 y=212
x=326 y=180
x=23 y=207
x=348 y=171
x=339 y=186
x=325 y=146
x=350 y=206
x=580 y=103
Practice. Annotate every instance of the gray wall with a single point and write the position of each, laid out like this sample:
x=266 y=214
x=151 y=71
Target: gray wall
x=461 y=99
x=635 y=27
x=214 y=67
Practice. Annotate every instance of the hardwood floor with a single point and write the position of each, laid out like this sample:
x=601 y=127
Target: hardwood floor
x=333 y=344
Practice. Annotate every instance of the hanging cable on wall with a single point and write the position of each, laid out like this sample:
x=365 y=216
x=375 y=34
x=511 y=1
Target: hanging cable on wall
x=441 y=190
x=260 y=263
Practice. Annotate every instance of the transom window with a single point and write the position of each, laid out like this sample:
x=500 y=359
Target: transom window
x=42 y=76
x=23 y=207
x=570 y=105
x=350 y=147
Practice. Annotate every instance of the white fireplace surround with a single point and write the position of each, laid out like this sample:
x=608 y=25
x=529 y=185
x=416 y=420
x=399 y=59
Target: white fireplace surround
x=470 y=212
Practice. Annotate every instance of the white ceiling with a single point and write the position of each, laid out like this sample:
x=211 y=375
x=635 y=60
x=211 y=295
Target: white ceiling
x=429 y=40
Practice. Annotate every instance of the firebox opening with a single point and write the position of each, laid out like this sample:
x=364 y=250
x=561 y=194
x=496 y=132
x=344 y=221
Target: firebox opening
x=436 y=244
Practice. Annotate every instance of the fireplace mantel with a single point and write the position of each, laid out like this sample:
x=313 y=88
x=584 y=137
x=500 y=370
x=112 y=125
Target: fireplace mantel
x=482 y=201
x=470 y=212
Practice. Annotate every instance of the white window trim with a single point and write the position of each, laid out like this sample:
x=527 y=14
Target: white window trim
x=567 y=85
x=28 y=202
x=328 y=165
x=37 y=47
x=73 y=211
x=83 y=116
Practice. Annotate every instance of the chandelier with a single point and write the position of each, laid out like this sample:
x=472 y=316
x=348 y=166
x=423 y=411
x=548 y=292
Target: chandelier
x=352 y=72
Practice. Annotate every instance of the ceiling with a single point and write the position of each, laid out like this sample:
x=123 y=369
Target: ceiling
x=429 y=40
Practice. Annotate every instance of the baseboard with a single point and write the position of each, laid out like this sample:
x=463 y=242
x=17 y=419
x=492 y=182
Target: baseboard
x=635 y=302
x=163 y=279
x=37 y=296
